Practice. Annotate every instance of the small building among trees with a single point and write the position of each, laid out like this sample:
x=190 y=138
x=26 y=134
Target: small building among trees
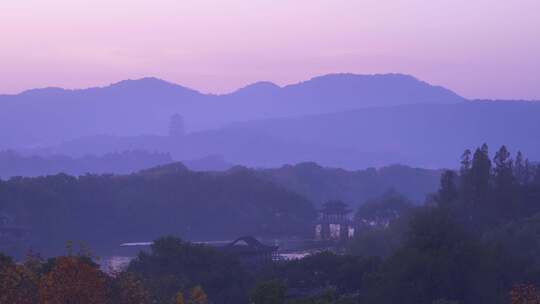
x=251 y=251
x=334 y=222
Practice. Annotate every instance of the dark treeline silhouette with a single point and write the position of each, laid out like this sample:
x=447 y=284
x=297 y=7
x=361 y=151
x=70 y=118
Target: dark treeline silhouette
x=316 y=183
x=106 y=210
x=474 y=241
x=15 y=164
x=320 y=184
x=487 y=192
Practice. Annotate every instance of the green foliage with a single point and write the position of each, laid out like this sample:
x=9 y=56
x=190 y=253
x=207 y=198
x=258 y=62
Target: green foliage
x=475 y=244
x=128 y=288
x=444 y=301
x=381 y=211
x=269 y=292
x=327 y=296
x=375 y=242
x=440 y=259
x=326 y=270
x=484 y=197
x=480 y=180
x=175 y=265
x=103 y=211
x=522 y=237
x=321 y=184
x=5 y=261
x=381 y=223
x=448 y=192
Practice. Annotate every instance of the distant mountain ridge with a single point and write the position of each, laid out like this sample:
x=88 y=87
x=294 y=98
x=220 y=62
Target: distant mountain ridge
x=308 y=179
x=13 y=164
x=42 y=117
x=130 y=84
x=418 y=135
x=320 y=184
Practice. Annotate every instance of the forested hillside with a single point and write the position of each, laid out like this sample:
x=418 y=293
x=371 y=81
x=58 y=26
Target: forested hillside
x=476 y=241
x=106 y=210
x=321 y=184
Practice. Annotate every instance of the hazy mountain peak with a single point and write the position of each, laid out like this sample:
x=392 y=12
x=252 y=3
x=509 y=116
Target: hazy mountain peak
x=43 y=91
x=360 y=90
x=144 y=106
x=342 y=76
x=346 y=79
x=167 y=169
x=148 y=83
x=142 y=81
x=258 y=87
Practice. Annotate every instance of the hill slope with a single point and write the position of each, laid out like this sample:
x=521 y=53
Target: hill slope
x=320 y=184
x=418 y=135
x=105 y=211
x=136 y=107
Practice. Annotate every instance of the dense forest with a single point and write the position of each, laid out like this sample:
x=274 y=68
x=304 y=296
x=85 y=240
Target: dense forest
x=474 y=241
x=106 y=210
x=172 y=199
x=320 y=184
x=311 y=180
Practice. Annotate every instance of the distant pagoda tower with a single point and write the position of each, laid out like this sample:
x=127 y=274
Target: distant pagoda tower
x=334 y=222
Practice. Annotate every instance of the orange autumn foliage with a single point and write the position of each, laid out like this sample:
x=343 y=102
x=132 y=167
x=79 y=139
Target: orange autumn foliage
x=130 y=290
x=18 y=285
x=524 y=294
x=73 y=281
x=198 y=296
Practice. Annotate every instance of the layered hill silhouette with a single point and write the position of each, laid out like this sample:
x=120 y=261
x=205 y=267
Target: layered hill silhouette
x=340 y=120
x=159 y=201
x=43 y=117
x=321 y=184
x=13 y=164
x=420 y=135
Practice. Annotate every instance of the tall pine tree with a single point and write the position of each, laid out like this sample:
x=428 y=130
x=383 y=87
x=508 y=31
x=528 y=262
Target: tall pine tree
x=448 y=193
x=465 y=183
x=520 y=170
x=480 y=178
x=503 y=177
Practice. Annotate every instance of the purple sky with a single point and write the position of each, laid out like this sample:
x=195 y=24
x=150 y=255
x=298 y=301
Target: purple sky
x=478 y=48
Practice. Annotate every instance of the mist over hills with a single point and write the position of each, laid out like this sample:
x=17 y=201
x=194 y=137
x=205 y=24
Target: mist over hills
x=320 y=184
x=309 y=180
x=145 y=205
x=43 y=117
x=339 y=120
x=419 y=135
x=13 y=164
x=171 y=198
x=424 y=135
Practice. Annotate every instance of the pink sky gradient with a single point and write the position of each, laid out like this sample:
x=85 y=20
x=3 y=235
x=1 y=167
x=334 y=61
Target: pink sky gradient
x=478 y=48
